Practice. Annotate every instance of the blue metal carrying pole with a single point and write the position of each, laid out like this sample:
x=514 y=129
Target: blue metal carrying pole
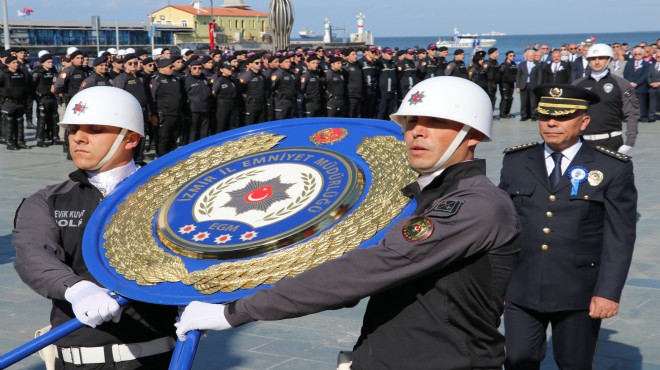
x=51 y=337
x=184 y=352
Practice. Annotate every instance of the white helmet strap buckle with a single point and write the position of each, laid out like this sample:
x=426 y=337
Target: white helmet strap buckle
x=448 y=152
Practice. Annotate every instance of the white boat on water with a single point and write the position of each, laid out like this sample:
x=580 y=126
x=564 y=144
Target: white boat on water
x=465 y=40
x=306 y=33
x=493 y=33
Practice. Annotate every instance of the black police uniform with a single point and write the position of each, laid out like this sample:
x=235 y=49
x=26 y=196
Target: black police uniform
x=253 y=86
x=456 y=68
x=335 y=92
x=431 y=68
x=442 y=66
x=48 y=234
x=407 y=76
x=167 y=92
x=354 y=88
x=311 y=85
x=387 y=88
x=14 y=88
x=227 y=101
x=284 y=87
x=95 y=79
x=617 y=104
x=435 y=299
x=493 y=76
x=29 y=100
x=138 y=86
x=68 y=84
x=370 y=84
x=508 y=73
x=478 y=75
x=200 y=101
x=270 y=100
x=48 y=116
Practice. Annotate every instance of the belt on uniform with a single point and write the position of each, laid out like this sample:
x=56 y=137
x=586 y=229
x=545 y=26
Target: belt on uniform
x=602 y=136
x=119 y=352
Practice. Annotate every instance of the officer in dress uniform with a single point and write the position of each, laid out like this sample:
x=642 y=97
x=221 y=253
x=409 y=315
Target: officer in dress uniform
x=335 y=89
x=443 y=51
x=437 y=280
x=47 y=116
x=167 y=93
x=273 y=65
x=14 y=88
x=227 y=98
x=408 y=75
x=99 y=75
x=284 y=87
x=578 y=208
x=457 y=66
x=253 y=86
x=431 y=62
x=508 y=72
x=24 y=64
x=311 y=85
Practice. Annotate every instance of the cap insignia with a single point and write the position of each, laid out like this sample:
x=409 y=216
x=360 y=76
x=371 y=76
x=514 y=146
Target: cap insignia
x=79 y=108
x=416 y=98
x=556 y=92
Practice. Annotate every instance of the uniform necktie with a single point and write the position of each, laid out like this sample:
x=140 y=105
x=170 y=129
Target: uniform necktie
x=555 y=175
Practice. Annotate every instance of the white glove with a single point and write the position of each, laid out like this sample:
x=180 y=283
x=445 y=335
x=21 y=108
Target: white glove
x=201 y=316
x=92 y=304
x=624 y=149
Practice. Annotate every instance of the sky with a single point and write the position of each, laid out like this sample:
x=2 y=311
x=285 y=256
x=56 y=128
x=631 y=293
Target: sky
x=392 y=18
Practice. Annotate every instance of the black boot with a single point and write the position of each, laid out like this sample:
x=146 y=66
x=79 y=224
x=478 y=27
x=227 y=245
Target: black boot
x=10 y=133
x=20 y=135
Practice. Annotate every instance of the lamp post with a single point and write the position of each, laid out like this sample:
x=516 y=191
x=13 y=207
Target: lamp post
x=6 y=23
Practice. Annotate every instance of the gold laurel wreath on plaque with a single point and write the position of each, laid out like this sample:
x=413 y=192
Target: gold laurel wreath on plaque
x=135 y=254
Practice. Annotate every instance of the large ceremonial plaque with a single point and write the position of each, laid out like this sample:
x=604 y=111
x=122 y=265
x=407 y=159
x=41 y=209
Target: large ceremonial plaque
x=238 y=211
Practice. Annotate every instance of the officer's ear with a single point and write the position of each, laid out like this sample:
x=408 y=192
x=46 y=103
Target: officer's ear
x=474 y=137
x=132 y=139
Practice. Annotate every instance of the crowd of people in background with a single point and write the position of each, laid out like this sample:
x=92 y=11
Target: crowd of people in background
x=190 y=95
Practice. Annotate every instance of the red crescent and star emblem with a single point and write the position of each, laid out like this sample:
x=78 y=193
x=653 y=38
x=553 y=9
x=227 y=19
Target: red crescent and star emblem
x=417 y=229
x=416 y=98
x=328 y=136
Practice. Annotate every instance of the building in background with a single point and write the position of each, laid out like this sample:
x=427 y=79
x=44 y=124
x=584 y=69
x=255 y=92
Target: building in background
x=235 y=23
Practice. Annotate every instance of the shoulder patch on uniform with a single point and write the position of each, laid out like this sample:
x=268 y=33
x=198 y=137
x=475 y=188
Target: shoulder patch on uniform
x=417 y=229
x=612 y=153
x=448 y=206
x=516 y=148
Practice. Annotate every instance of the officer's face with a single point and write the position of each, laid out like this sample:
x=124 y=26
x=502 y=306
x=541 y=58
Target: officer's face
x=313 y=65
x=48 y=64
x=77 y=61
x=195 y=70
x=131 y=66
x=13 y=66
x=88 y=145
x=561 y=132
x=427 y=138
x=286 y=64
x=598 y=64
x=352 y=57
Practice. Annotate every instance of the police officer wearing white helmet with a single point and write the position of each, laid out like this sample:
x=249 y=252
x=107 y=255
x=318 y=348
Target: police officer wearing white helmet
x=617 y=103
x=437 y=280
x=48 y=234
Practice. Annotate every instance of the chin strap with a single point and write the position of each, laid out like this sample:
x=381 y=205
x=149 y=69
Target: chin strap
x=112 y=151
x=448 y=152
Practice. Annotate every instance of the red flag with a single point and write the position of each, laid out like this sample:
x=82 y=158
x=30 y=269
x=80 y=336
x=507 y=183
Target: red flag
x=211 y=35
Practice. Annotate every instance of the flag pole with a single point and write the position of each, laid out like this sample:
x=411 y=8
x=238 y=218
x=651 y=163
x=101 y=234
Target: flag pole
x=6 y=23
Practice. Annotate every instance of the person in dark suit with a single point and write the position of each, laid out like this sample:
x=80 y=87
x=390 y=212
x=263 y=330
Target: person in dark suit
x=577 y=207
x=580 y=66
x=555 y=71
x=654 y=87
x=526 y=80
x=637 y=71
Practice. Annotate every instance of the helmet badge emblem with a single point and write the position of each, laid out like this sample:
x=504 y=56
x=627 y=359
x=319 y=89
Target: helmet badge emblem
x=556 y=92
x=416 y=98
x=79 y=108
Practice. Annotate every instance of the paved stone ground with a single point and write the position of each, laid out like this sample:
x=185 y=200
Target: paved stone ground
x=628 y=341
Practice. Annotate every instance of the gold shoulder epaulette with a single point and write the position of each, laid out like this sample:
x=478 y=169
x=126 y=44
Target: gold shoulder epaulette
x=613 y=153
x=516 y=148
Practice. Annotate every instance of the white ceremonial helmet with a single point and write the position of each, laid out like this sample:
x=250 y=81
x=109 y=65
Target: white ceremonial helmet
x=71 y=50
x=452 y=98
x=121 y=52
x=42 y=53
x=91 y=107
x=130 y=51
x=157 y=51
x=600 y=50
x=112 y=51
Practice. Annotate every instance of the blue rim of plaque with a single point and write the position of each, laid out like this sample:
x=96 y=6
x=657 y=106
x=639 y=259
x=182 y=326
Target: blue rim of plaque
x=259 y=203
x=297 y=133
